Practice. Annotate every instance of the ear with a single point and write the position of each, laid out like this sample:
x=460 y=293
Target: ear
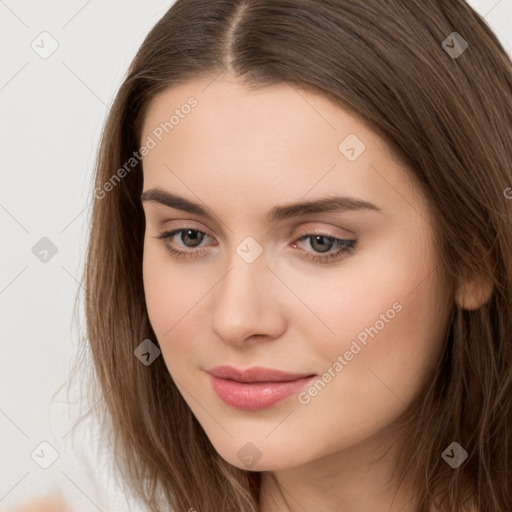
x=473 y=293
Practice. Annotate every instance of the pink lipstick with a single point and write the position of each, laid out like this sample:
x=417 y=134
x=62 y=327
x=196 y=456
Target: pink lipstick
x=255 y=388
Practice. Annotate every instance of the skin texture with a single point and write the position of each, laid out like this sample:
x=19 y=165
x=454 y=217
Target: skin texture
x=240 y=153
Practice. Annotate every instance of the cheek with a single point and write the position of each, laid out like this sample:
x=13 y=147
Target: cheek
x=391 y=324
x=389 y=311
x=371 y=290
x=174 y=295
x=384 y=360
x=168 y=293
x=158 y=293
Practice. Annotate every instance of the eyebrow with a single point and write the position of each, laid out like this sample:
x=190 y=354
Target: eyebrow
x=276 y=214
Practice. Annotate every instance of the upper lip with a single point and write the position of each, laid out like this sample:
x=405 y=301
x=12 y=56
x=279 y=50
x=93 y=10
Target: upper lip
x=255 y=374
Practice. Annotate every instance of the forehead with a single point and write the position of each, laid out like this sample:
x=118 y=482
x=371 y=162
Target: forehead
x=273 y=140
x=228 y=104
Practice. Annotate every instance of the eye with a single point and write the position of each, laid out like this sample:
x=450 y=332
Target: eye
x=194 y=237
x=321 y=244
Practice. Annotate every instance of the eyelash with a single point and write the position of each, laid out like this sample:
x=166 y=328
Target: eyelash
x=346 y=246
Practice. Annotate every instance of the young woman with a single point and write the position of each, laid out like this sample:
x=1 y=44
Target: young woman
x=300 y=265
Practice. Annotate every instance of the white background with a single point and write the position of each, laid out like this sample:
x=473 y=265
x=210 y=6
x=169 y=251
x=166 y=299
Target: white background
x=52 y=113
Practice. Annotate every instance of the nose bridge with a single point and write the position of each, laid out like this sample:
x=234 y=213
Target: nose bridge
x=244 y=302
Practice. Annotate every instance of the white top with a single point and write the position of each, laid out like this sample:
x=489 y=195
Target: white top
x=70 y=464
x=87 y=481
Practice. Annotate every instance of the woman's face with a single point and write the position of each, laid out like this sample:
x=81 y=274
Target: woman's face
x=346 y=295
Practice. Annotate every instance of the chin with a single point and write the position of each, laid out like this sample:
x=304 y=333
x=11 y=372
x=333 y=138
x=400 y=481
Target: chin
x=261 y=456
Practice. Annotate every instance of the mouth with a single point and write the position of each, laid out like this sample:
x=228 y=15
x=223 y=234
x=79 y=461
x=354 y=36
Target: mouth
x=255 y=388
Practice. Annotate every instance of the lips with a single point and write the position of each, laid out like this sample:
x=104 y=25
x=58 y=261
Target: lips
x=257 y=387
x=255 y=374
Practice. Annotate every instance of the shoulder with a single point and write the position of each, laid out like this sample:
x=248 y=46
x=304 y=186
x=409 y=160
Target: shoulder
x=87 y=469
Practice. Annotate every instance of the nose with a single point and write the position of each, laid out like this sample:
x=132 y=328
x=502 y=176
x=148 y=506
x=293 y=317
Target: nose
x=246 y=304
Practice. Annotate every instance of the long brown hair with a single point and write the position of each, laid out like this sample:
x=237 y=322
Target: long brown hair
x=445 y=109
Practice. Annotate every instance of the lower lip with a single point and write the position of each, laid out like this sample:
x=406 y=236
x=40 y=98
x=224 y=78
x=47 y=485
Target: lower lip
x=256 y=395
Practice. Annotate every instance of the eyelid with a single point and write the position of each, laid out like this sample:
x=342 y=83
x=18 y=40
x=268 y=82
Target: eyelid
x=183 y=224
x=320 y=230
